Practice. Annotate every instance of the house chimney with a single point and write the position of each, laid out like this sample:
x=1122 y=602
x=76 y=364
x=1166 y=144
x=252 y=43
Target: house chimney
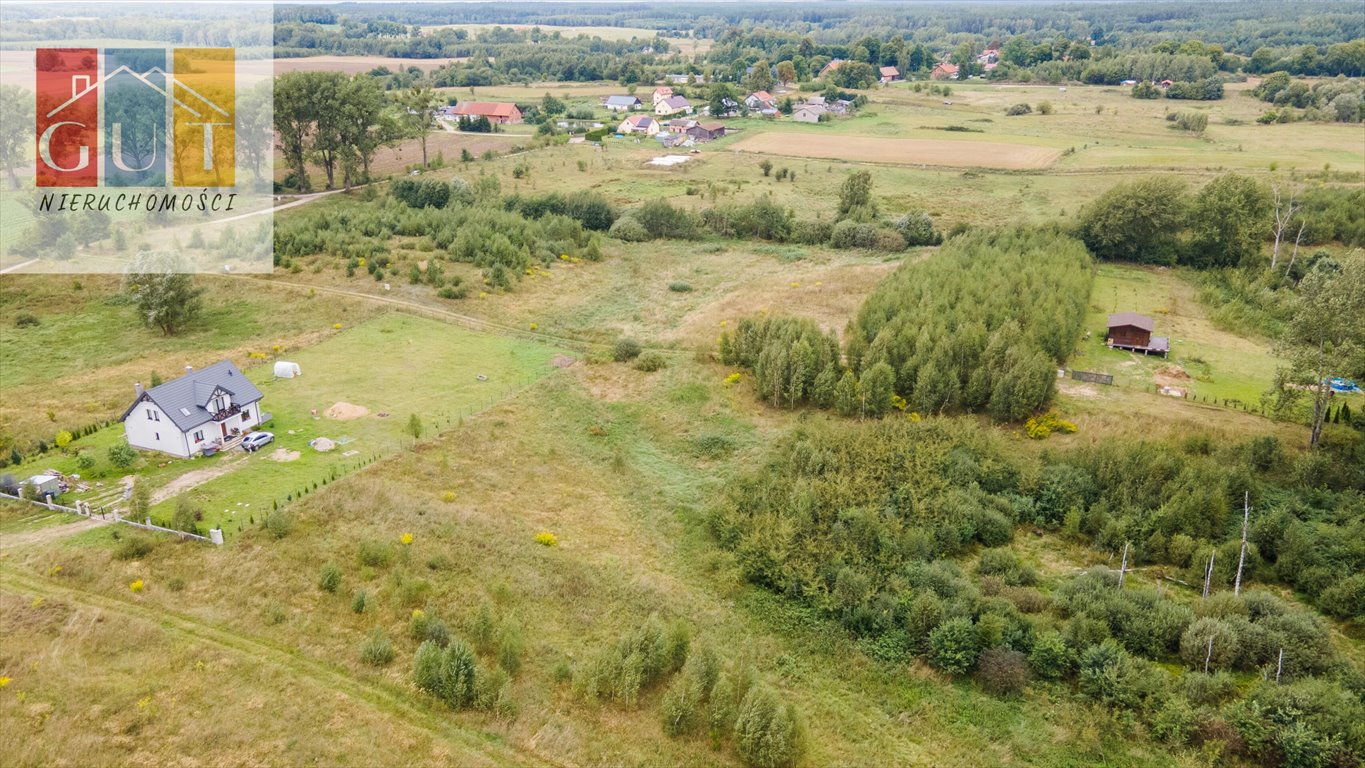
x=189 y=369
x=137 y=388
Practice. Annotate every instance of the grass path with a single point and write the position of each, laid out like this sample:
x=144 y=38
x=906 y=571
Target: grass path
x=48 y=533
x=489 y=750
x=439 y=313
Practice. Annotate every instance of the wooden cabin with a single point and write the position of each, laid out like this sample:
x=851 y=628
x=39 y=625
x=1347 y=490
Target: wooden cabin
x=1131 y=331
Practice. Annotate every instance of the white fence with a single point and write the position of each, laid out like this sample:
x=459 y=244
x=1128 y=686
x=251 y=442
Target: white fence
x=83 y=509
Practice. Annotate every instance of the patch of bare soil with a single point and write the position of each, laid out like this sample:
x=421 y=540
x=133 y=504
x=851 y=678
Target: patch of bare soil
x=1172 y=376
x=562 y=361
x=346 y=411
x=1077 y=389
x=195 y=478
x=283 y=454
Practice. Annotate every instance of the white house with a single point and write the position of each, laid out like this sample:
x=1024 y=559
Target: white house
x=201 y=408
x=673 y=105
x=638 y=124
x=622 y=103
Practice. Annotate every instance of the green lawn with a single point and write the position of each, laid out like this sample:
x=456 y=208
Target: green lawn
x=396 y=365
x=1220 y=365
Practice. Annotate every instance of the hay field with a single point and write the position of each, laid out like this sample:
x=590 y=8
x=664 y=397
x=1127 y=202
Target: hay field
x=868 y=149
x=356 y=64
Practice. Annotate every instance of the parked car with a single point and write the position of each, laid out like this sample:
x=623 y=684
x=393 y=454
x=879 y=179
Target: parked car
x=256 y=440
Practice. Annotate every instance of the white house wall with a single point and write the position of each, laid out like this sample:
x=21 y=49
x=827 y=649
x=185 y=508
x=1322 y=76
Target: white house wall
x=158 y=433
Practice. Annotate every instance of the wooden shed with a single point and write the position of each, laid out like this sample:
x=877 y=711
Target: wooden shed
x=1131 y=331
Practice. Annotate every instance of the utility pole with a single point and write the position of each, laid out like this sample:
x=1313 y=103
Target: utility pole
x=1123 y=567
x=1242 y=558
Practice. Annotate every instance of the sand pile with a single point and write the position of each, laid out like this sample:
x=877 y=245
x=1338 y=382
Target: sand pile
x=346 y=411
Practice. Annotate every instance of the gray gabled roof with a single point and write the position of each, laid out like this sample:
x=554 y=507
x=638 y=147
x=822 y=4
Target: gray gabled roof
x=1132 y=318
x=183 y=399
x=620 y=101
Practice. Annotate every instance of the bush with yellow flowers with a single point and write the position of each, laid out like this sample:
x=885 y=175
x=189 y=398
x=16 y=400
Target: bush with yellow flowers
x=1040 y=427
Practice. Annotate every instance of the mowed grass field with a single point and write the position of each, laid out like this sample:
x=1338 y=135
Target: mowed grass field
x=1205 y=361
x=392 y=367
x=79 y=363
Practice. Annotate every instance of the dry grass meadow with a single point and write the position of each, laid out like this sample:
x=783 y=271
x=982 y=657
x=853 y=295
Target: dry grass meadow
x=870 y=149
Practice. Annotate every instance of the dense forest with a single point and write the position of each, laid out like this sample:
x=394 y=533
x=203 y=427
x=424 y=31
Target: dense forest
x=897 y=530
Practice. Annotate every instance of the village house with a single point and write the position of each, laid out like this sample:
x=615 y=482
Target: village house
x=622 y=103
x=944 y=71
x=202 y=409
x=706 y=131
x=808 y=112
x=1133 y=332
x=889 y=75
x=829 y=68
x=638 y=124
x=673 y=105
x=497 y=112
x=760 y=100
x=661 y=93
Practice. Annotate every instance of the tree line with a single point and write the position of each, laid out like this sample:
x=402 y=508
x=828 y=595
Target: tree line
x=338 y=122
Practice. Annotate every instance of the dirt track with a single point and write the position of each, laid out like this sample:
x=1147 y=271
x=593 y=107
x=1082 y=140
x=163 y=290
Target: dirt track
x=952 y=153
